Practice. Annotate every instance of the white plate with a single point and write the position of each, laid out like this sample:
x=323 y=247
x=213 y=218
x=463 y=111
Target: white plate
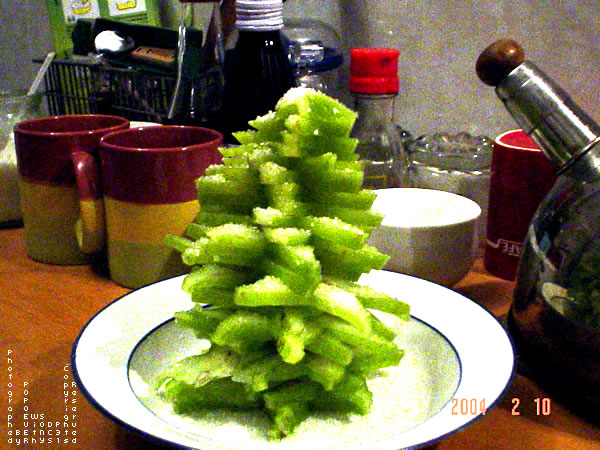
x=459 y=360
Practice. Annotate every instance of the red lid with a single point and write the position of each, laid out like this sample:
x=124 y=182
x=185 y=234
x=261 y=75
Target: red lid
x=374 y=70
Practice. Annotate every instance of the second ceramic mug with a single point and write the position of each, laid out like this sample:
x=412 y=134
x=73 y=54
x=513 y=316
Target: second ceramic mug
x=148 y=185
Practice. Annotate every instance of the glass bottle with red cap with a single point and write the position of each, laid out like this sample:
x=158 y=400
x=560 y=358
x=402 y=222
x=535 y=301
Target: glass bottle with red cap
x=374 y=85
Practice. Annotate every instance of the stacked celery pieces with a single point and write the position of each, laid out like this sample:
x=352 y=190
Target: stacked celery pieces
x=276 y=252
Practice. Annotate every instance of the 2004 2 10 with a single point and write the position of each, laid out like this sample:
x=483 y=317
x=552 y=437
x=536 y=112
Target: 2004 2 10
x=473 y=406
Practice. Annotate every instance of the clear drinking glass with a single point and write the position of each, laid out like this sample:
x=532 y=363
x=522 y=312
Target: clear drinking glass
x=15 y=106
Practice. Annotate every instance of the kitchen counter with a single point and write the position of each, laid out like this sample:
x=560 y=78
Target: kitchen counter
x=45 y=306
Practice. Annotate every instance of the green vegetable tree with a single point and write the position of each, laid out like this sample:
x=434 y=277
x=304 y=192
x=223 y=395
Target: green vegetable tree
x=275 y=255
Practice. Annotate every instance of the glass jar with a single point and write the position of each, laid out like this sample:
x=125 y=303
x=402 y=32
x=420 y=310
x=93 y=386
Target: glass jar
x=15 y=106
x=458 y=163
x=314 y=49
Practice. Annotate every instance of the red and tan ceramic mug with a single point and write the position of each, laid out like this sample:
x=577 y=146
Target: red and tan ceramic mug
x=51 y=155
x=148 y=184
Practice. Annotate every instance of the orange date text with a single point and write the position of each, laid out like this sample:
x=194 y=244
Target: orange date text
x=467 y=407
x=543 y=406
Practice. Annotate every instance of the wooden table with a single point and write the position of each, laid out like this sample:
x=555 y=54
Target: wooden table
x=45 y=306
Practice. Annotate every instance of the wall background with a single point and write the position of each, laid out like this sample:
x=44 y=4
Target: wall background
x=439 y=41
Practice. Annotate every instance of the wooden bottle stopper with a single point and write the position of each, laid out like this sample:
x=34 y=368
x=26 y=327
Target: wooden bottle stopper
x=498 y=60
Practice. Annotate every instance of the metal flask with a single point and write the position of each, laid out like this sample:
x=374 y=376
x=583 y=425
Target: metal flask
x=555 y=315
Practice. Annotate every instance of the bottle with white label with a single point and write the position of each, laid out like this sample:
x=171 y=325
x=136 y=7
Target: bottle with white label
x=257 y=67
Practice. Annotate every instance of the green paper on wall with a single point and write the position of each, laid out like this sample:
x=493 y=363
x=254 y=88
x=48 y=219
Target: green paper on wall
x=63 y=15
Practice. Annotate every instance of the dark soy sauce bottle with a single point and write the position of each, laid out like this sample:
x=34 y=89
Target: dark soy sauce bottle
x=257 y=68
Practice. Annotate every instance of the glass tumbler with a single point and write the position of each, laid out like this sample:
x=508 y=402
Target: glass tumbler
x=15 y=106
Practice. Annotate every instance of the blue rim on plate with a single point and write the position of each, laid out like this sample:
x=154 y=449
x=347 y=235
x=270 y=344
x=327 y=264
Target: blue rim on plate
x=134 y=334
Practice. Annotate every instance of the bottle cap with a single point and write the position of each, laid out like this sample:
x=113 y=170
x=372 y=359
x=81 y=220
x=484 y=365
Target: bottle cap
x=259 y=15
x=374 y=70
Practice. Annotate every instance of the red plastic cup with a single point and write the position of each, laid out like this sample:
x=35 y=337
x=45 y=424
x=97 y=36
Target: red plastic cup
x=521 y=177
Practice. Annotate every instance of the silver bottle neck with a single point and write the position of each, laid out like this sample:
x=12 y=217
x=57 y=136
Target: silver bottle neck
x=547 y=114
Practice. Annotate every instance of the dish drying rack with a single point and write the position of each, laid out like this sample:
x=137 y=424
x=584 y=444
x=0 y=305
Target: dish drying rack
x=90 y=87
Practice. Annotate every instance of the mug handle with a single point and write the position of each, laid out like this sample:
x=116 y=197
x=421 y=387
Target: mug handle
x=89 y=227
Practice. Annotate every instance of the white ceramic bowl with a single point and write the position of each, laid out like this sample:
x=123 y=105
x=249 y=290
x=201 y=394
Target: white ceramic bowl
x=427 y=233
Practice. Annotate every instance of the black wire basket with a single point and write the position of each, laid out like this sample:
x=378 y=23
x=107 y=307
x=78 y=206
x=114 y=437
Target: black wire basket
x=90 y=87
